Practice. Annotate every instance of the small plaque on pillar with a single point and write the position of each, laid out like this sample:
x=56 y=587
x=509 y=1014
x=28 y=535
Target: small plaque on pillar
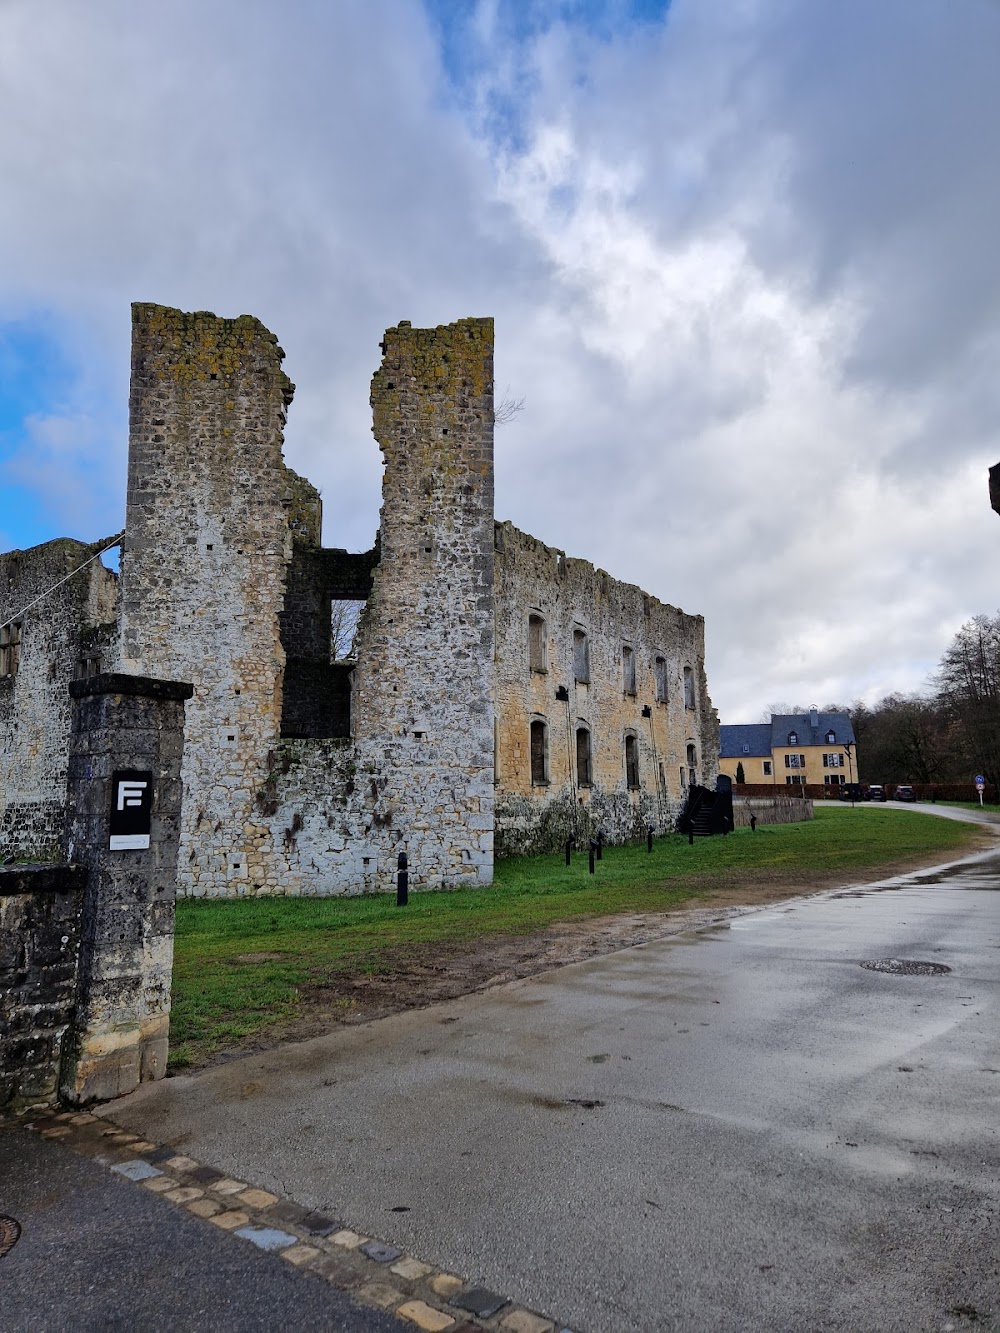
x=131 y=809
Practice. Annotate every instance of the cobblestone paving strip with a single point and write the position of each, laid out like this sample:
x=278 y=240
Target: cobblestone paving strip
x=373 y=1271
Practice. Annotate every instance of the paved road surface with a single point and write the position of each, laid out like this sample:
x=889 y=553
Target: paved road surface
x=735 y=1129
x=97 y=1253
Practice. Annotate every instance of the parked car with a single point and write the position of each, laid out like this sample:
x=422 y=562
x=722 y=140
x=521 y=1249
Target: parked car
x=876 y=792
x=904 y=792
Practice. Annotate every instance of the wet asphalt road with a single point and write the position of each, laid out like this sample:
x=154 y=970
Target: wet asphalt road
x=734 y=1129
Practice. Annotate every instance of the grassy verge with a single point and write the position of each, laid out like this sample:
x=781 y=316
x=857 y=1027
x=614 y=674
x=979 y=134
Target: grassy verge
x=239 y=965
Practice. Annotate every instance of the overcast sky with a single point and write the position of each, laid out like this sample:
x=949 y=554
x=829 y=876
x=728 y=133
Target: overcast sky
x=742 y=256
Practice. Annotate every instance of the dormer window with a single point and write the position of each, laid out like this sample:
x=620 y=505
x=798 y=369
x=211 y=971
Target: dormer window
x=831 y=738
x=793 y=738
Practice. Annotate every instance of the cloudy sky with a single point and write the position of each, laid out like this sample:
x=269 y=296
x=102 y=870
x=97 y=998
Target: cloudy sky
x=742 y=256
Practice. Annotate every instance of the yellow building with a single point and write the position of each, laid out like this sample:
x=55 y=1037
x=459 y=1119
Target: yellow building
x=813 y=748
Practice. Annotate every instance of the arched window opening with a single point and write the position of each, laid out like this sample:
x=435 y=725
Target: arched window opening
x=688 y=687
x=793 y=738
x=660 y=672
x=583 y=769
x=537 y=657
x=631 y=763
x=581 y=657
x=539 y=753
x=628 y=669
x=692 y=763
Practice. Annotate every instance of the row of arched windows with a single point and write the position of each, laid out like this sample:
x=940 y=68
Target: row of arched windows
x=538 y=661
x=539 y=750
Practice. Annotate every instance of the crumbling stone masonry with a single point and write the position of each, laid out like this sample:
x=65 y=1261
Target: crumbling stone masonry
x=40 y=913
x=69 y=633
x=497 y=690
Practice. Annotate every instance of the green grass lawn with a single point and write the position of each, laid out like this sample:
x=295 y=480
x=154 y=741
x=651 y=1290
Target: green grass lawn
x=219 y=997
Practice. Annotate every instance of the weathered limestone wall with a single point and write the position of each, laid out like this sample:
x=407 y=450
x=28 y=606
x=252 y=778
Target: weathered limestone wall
x=40 y=912
x=423 y=702
x=210 y=514
x=67 y=632
x=224 y=583
x=571 y=596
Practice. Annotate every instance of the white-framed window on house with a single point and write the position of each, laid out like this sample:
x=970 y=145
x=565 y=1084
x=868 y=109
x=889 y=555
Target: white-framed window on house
x=793 y=738
x=537 y=644
x=539 y=752
x=795 y=761
x=766 y=766
x=660 y=674
x=581 y=657
x=833 y=761
x=10 y=648
x=831 y=738
x=794 y=781
x=583 y=760
x=628 y=669
x=688 y=687
x=834 y=779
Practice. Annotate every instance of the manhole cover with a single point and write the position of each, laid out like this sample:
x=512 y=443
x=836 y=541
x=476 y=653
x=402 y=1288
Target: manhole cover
x=10 y=1234
x=906 y=967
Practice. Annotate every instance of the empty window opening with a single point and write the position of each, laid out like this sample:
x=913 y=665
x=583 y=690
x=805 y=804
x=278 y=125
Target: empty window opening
x=344 y=617
x=539 y=753
x=536 y=644
x=10 y=648
x=692 y=763
x=660 y=672
x=87 y=667
x=583 y=777
x=688 y=687
x=628 y=669
x=581 y=657
x=631 y=763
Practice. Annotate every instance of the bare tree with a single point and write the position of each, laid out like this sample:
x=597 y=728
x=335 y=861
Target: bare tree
x=507 y=408
x=968 y=690
x=344 y=617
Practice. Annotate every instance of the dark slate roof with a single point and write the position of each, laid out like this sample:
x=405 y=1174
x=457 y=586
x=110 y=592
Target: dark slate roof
x=757 y=735
x=783 y=723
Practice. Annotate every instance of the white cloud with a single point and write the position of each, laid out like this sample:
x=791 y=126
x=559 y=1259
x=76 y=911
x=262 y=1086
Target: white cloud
x=742 y=268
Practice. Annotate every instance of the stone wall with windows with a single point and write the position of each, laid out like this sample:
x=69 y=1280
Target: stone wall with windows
x=302 y=775
x=603 y=713
x=57 y=607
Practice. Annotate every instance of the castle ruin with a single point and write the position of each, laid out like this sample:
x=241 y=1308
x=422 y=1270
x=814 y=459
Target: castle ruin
x=499 y=698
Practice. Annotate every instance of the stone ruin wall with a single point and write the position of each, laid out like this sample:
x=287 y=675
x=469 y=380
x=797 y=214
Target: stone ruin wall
x=207 y=541
x=218 y=535
x=66 y=634
x=570 y=595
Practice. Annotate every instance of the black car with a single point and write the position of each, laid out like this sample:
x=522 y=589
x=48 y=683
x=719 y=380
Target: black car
x=876 y=792
x=904 y=792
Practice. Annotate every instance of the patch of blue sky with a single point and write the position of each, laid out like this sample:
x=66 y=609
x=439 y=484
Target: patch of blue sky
x=35 y=377
x=476 y=36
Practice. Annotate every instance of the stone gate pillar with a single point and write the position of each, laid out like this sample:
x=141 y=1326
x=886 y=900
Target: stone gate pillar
x=123 y=823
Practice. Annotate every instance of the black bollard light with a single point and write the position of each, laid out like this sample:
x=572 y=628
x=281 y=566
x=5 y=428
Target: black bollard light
x=649 y=839
x=753 y=823
x=402 y=880
x=594 y=847
x=570 y=844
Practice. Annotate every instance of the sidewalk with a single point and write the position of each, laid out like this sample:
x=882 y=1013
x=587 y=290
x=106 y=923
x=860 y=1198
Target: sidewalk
x=97 y=1252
